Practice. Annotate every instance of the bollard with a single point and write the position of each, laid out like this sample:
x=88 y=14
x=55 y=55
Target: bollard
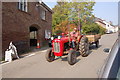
x=38 y=44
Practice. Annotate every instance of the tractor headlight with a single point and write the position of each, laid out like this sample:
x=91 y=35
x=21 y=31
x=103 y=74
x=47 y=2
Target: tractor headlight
x=52 y=38
x=59 y=37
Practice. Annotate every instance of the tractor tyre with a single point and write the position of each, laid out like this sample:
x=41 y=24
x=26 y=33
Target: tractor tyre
x=50 y=55
x=72 y=57
x=84 y=46
x=97 y=44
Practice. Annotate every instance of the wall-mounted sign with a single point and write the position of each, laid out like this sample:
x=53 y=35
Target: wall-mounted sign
x=47 y=34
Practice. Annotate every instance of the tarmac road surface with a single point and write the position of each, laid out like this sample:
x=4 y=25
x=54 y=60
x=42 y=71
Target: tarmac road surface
x=36 y=66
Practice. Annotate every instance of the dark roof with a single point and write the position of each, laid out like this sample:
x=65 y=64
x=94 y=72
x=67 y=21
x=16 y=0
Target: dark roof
x=99 y=20
x=44 y=5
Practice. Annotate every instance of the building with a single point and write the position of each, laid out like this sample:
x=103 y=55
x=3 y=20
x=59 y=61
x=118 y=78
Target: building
x=110 y=28
x=107 y=25
x=100 y=22
x=25 y=23
x=0 y=30
x=116 y=28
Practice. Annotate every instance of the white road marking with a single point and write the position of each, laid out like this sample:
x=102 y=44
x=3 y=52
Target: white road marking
x=30 y=55
x=44 y=51
x=5 y=63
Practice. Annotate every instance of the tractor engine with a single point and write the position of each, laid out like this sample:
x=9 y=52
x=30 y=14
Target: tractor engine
x=60 y=45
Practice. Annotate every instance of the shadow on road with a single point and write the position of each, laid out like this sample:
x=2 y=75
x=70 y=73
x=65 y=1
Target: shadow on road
x=78 y=53
x=94 y=47
x=64 y=58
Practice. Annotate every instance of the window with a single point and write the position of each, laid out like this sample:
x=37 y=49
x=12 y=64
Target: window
x=22 y=5
x=33 y=35
x=43 y=15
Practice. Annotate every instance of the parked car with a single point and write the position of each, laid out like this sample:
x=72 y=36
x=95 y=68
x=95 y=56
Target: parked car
x=111 y=68
x=109 y=32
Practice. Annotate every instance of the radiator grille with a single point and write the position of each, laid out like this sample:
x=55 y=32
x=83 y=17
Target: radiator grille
x=56 y=47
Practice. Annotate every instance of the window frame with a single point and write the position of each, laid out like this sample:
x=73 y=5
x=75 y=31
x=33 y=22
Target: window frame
x=23 y=5
x=43 y=15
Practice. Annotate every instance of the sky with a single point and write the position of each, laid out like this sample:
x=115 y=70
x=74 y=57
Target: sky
x=105 y=10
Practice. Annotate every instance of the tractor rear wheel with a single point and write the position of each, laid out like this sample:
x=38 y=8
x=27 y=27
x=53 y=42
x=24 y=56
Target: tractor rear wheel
x=84 y=46
x=50 y=55
x=72 y=57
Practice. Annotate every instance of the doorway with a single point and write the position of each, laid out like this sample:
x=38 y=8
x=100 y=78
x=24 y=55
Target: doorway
x=33 y=36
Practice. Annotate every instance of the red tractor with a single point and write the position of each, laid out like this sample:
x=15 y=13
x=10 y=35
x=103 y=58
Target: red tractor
x=63 y=45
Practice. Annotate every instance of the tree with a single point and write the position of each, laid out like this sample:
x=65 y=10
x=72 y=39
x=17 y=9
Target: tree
x=64 y=27
x=82 y=11
x=90 y=28
x=74 y=12
x=102 y=30
x=60 y=13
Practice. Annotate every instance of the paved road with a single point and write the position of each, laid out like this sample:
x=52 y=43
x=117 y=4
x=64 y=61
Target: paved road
x=36 y=66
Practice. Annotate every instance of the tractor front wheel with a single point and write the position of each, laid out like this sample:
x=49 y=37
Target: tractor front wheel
x=50 y=55
x=72 y=57
x=84 y=46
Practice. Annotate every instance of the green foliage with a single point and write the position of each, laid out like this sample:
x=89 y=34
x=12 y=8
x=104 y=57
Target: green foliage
x=72 y=11
x=90 y=28
x=102 y=30
x=61 y=11
x=58 y=32
x=73 y=14
x=82 y=10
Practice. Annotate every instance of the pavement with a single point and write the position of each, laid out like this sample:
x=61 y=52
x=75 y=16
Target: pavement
x=33 y=51
x=35 y=65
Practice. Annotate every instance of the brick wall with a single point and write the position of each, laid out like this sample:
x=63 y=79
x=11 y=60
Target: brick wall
x=0 y=30
x=16 y=24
